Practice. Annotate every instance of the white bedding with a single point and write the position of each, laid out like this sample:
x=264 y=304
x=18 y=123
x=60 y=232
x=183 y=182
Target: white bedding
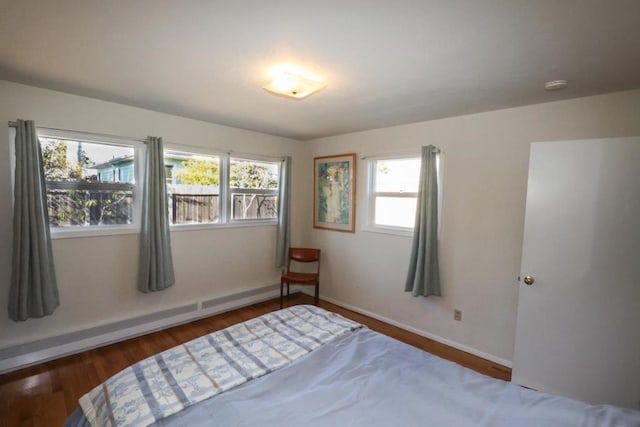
x=367 y=379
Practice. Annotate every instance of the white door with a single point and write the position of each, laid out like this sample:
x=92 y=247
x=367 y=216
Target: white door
x=578 y=327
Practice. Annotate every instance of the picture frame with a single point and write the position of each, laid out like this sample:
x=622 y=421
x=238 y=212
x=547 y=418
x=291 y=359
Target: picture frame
x=334 y=191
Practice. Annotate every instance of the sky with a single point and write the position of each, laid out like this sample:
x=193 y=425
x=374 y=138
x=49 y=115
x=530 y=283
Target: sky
x=97 y=153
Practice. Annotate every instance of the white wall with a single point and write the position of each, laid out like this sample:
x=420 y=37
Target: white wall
x=485 y=164
x=96 y=275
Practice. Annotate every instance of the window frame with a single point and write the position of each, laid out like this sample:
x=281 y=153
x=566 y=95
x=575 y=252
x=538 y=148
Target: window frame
x=200 y=151
x=138 y=156
x=139 y=148
x=226 y=191
x=371 y=195
x=231 y=191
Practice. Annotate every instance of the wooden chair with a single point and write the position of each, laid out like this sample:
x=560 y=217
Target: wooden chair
x=302 y=255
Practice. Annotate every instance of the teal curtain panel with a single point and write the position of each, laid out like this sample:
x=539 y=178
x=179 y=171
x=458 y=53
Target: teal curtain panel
x=283 y=241
x=155 y=271
x=33 y=291
x=423 y=278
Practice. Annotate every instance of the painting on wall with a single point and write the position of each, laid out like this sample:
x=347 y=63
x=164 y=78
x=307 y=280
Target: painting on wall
x=334 y=190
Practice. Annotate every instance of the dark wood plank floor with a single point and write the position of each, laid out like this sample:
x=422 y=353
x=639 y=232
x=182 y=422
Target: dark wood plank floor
x=46 y=394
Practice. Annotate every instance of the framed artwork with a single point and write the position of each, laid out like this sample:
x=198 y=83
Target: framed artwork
x=334 y=191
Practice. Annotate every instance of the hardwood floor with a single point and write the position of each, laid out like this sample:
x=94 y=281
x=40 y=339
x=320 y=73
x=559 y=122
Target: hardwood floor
x=46 y=394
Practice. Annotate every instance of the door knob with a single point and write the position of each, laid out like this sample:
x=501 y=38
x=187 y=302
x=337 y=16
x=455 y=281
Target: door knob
x=528 y=280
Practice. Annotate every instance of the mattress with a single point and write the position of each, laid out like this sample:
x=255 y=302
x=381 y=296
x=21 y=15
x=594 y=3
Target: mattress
x=364 y=378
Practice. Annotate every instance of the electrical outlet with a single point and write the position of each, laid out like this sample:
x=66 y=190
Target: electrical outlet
x=457 y=314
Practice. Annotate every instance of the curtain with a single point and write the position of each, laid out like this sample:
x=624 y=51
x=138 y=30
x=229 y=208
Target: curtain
x=33 y=291
x=423 y=277
x=284 y=224
x=155 y=272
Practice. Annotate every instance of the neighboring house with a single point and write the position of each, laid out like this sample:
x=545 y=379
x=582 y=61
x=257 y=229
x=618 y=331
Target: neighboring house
x=121 y=169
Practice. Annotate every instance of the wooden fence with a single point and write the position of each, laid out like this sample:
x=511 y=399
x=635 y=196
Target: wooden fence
x=81 y=207
x=194 y=208
x=72 y=207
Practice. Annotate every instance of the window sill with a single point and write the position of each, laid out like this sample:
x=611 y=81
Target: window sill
x=98 y=231
x=95 y=231
x=237 y=224
x=403 y=232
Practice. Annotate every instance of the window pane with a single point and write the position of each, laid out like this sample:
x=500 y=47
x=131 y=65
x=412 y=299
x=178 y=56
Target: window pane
x=395 y=211
x=68 y=208
x=88 y=184
x=262 y=177
x=254 y=206
x=193 y=187
x=253 y=174
x=397 y=175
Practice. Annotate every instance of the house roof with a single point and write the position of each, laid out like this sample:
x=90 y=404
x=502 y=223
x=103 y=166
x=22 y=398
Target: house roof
x=118 y=161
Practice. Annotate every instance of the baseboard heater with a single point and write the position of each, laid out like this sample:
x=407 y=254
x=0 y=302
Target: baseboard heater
x=39 y=351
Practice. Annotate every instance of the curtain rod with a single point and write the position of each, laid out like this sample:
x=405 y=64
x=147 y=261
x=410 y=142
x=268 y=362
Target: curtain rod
x=13 y=124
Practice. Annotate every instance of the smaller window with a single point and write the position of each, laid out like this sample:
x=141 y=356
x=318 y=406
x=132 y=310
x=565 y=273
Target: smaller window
x=393 y=192
x=253 y=186
x=193 y=187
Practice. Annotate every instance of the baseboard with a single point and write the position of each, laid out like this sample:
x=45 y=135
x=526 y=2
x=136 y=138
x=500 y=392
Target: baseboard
x=39 y=351
x=420 y=332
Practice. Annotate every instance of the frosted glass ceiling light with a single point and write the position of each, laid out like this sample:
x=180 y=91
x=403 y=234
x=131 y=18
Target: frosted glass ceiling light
x=293 y=85
x=555 y=85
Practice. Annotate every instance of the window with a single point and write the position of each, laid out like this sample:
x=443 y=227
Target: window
x=193 y=187
x=253 y=186
x=89 y=182
x=219 y=189
x=91 y=185
x=393 y=192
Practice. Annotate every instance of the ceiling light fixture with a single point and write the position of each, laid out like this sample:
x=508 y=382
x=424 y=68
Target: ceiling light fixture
x=294 y=84
x=555 y=85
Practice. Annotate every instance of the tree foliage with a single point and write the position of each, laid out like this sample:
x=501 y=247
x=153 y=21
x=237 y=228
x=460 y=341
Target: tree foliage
x=57 y=166
x=199 y=172
x=251 y=175
x=242 y=174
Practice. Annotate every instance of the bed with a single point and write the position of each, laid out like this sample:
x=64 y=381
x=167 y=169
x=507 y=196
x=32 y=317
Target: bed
x=352 y=377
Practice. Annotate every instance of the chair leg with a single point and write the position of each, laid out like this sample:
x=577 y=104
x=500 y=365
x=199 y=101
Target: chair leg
x=281 y=292
x=317 y=294
x=287 y=291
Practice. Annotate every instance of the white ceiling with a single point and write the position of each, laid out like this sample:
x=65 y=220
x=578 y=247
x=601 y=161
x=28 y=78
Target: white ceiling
x=386 y=62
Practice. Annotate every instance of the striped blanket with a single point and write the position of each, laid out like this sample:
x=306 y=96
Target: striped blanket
x=175 y=379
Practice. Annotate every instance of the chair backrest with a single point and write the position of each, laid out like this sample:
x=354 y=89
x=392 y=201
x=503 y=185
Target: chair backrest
x=304 y=255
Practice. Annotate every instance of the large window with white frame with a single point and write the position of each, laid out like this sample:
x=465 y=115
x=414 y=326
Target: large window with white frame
x=393 y=183
x=92 y=184
x=90 y=181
